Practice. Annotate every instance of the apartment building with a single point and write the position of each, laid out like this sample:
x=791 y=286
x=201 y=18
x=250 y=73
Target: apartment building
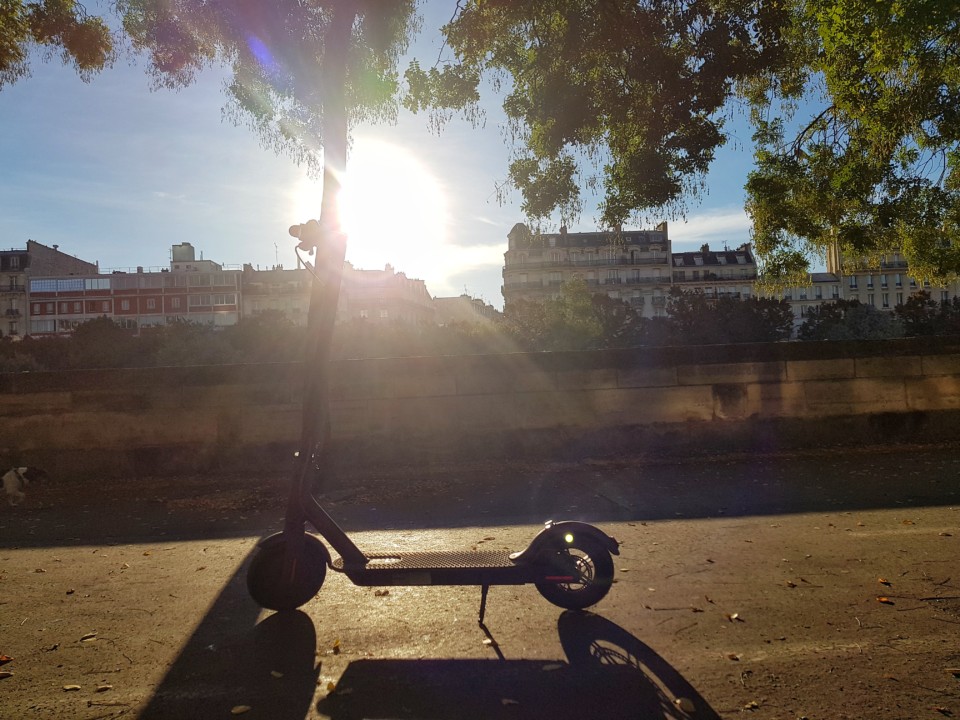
x=716 y=273
x=190 y=290
x=17 y=266
x=632 y=265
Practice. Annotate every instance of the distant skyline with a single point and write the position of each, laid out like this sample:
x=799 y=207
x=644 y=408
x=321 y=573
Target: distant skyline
x=116 y=174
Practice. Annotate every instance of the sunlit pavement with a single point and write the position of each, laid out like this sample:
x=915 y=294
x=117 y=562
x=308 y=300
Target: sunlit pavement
x=779 y=615
x=846 y=613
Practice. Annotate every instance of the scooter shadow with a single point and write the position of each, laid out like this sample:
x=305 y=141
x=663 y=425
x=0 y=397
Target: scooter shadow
x=608 y=674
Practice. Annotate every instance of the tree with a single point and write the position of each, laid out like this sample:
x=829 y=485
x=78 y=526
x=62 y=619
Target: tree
x=576 y=320
x=875 y=167
x=302 y=71
x=848 y=320
x=696 y=319
x=57 y=26
x=636 y=89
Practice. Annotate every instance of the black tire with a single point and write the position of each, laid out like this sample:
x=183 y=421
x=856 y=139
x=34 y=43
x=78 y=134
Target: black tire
x=584 y=558
x=264 y=576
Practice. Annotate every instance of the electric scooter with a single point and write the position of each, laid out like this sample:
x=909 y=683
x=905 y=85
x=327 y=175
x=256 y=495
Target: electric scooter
x=569 y=562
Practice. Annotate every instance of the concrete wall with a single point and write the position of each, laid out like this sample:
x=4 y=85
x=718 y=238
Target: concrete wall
x=564 y=406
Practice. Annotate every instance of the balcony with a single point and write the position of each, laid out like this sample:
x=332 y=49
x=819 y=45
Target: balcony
x=592 y=262
x=12 y=313
x=13 y=288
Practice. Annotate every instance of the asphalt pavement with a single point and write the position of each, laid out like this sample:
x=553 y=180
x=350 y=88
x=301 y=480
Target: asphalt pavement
x=817 y=585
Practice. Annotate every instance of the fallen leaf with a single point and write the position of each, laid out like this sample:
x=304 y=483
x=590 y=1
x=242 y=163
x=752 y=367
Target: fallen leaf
x=907 y=522
x=885 y=600
x=552 y=666
x=70 y=688
x=752 y=705
x=944 y=534
x=487 y=641
x=884 y=581
x=88 y=636
x=4 y=659
x=685 y=704
x=955 y=671
x=331 y=686
x=733 y=656
x=336 y=646
x=203 y=567
x=39 y=570
x=508 y=701
x=942 y=710
x=104 y=688
x=146 y=553
x=276 y=673
x=381 y=593
x=125 y=566
x=791 y=584
x=239 y=709
x=5 y=674
x=734 y=616
x=624 y=569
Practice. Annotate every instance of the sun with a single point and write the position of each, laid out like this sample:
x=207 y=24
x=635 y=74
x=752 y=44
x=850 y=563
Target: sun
x=393 y=210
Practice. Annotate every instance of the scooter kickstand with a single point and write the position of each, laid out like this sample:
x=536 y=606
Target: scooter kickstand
x=484 y=589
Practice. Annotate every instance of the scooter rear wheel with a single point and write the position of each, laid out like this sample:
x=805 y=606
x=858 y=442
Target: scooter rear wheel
x=265 y=575
x=588 y=571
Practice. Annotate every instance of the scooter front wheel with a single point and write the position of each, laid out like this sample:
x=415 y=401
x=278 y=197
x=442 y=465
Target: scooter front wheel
x=266 y=583
x=577 y=575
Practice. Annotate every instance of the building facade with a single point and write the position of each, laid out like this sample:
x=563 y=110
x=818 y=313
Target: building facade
x=633 y=265
x=17 y=266
x=192 y=290
x=716 y=273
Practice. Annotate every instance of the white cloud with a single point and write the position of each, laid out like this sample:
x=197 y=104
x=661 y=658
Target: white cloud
x=722 y=225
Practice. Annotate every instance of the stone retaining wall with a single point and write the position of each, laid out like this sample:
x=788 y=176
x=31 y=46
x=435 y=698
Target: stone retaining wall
x=565 y=406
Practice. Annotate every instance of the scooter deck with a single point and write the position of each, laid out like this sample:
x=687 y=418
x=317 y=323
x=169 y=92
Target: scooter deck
x=478 y=567
x=439 y=560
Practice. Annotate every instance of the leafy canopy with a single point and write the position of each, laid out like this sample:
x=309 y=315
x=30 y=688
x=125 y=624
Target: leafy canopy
x=875 y=164
x=56 y=26
x=631 y=92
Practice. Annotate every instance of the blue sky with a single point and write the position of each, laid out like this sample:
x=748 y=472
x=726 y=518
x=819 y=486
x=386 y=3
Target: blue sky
x=116 y=173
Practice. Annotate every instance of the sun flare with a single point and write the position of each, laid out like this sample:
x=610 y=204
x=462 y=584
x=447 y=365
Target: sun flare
x=393 y=210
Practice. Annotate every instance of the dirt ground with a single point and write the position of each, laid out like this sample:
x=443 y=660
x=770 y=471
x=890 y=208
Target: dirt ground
x=817 y=585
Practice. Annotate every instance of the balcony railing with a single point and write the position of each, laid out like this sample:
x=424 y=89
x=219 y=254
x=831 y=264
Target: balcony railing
x=591 y=262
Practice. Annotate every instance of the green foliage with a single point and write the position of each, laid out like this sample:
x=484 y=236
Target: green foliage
x=921 y=315
x=695 y=319
x=635 y=89
x=576 y=320
x=875 y=167
x=277 y=51
x=58 y=26
x=849 y=320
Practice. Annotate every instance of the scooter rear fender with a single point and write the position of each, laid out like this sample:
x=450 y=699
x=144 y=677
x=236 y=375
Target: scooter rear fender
x=553 y=536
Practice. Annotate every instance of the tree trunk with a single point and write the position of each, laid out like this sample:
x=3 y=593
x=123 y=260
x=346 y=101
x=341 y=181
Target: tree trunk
x=332 y=248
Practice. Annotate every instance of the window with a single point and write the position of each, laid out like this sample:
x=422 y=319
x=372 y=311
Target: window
x=853 y=282
x=899 y=279
x=78 y=307
x=803 y=293
x=553 y=242
x=151 y=304
x=364 y=314
x=43 y=286
x=869 y=282
x=556 y=278
x=819 y=292
x=899 y=298
x=64 y=307
x=14 y=262
x=50 y=307
x=835 y=291
x=88 y=284
x=944 y=296
x=175 y=303
x=198 y=300
x=886 y=299
x=883 y=281
x=124 y=304
x=555 y=257
x=384 y=314
x=36 y=308
x=870 y=300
